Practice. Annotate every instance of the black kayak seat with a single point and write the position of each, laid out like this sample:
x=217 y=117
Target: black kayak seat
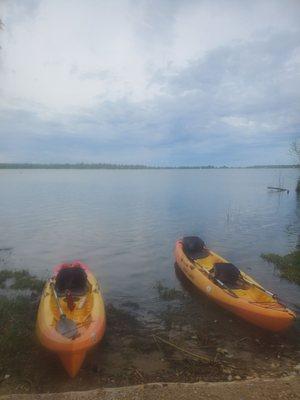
x=73 y=279
x=227 y=273
x=194 y=247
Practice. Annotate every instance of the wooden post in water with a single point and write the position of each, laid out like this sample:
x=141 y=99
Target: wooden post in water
x=279 y=189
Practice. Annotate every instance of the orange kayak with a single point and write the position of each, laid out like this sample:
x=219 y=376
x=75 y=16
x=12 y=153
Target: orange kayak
x=73 y=291
x=230 y=288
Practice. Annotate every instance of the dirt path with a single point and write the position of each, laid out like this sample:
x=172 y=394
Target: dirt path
x=287 y=388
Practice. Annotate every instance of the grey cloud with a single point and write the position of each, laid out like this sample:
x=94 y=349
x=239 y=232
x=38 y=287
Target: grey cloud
x=249 y=79
x=227 y=106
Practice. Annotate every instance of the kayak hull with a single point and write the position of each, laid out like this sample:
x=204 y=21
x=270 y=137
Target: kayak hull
x=89 y=316
x=72 y=361
x=264 y=311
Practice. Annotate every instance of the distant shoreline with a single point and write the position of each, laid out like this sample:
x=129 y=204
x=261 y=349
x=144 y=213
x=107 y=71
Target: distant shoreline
x=130 y=167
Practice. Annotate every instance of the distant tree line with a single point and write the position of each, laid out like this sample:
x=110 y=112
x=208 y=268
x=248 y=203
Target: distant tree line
x=70 y=166
x=123 y=166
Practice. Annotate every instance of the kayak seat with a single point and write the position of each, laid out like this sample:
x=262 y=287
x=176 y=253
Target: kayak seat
x=197 y=256
x=73 y=279
x=228 y=274
x=194 y=247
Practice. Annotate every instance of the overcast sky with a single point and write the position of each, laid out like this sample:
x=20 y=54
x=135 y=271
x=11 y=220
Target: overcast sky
x=163 y=82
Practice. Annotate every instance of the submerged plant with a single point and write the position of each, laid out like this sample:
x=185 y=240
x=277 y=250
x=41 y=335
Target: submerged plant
x=288 y=265
x=21 y=280
x=166 y=293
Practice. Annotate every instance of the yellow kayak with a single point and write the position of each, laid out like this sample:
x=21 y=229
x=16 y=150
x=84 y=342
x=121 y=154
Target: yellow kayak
x=231 y=288
x=71 y=316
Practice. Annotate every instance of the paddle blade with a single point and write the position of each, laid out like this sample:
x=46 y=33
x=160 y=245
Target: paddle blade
x=67 y=327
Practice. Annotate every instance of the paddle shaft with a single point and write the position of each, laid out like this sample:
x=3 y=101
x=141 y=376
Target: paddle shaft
x=65 y=326
x=225 y=287
x=275 y=297
x=62 y=314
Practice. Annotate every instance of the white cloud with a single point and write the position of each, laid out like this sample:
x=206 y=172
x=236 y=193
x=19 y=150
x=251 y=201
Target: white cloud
x=153 y=74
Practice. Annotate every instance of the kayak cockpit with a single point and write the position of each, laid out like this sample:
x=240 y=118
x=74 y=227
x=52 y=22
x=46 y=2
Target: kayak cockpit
x=243 y=287
x=72 y=278
x=246 y=288
x=83 y=306
x=227 y=275
x=75 y=293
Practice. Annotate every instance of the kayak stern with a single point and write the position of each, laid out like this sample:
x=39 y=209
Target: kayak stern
x=72 y=362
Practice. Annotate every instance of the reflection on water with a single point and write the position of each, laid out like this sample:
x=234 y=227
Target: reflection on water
x=124 y=223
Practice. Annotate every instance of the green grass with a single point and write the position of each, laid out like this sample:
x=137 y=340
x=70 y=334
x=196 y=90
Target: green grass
x=16 y=331
x=288 y=265
x=21 y=280
x=17 y=316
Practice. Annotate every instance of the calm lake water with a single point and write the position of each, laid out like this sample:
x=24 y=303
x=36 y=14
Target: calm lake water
x=124 y=223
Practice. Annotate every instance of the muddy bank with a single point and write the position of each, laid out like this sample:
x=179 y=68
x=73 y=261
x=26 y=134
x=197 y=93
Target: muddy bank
x=189 y=340
x=271 y=389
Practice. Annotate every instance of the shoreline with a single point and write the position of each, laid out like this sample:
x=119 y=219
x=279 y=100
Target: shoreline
x=189 y=340
x=268 y=389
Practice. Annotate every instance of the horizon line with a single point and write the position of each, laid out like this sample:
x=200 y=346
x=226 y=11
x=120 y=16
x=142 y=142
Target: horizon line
x=83 y=165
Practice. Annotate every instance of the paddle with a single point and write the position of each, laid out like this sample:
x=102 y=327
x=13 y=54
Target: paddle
x=64 y=326
x=231 y=292
x=275 y=296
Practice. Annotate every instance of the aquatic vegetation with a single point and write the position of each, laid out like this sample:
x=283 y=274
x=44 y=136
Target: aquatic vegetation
x=131 y=304
x=166 y=293
x=21 y=280
x=121 y=320
x=288 y=265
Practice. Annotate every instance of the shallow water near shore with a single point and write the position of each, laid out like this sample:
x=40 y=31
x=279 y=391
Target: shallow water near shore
x=124 y=225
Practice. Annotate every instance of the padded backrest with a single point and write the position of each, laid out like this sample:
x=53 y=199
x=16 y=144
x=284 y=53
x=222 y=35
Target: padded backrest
x=192 y=245
x=226 y=273
x=73 y=279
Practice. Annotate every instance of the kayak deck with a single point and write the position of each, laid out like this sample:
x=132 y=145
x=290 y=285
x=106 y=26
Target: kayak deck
x=82 y=310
